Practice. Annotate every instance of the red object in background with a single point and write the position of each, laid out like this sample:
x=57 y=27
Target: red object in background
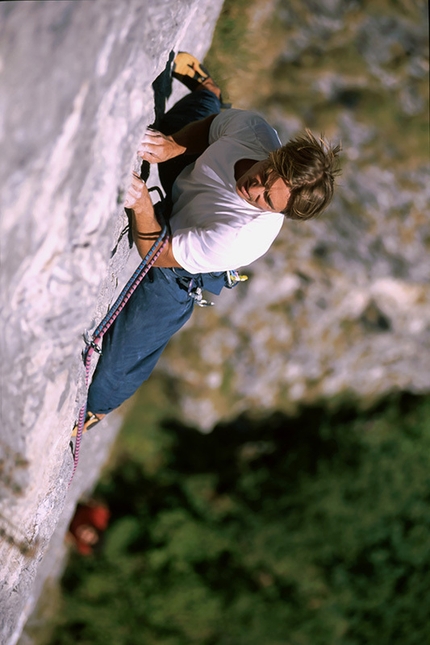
x=87 y=525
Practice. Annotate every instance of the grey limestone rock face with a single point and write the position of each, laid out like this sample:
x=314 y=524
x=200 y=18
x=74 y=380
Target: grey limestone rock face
x=75 y=97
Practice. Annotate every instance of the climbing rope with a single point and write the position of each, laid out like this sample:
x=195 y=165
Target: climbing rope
x=93 y=343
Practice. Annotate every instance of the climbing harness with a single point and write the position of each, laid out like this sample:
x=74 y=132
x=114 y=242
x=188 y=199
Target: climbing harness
x=196 y=293
x=93 y=342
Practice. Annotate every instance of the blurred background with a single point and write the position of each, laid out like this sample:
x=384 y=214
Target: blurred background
x=271 y=483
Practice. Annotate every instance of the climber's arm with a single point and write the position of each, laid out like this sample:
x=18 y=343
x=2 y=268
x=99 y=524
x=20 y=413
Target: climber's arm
x=145 y=226
x=192 y=139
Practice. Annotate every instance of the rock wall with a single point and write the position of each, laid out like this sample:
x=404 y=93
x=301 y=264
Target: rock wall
x=75 y=96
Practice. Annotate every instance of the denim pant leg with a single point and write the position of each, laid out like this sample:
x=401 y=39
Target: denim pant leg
x=159 y=307
x=192 y=107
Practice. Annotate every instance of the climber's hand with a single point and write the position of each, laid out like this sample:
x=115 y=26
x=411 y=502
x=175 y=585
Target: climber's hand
x=144 y=225
x=137 y=197
x=156 y=147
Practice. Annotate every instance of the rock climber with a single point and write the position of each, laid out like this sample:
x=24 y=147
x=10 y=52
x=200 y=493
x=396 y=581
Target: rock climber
x=230 y=184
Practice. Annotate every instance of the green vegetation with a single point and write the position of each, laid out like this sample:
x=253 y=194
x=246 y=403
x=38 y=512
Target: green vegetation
x=302 y=531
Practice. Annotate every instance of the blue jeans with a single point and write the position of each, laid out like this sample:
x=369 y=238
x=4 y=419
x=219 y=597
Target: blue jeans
x=163 y=301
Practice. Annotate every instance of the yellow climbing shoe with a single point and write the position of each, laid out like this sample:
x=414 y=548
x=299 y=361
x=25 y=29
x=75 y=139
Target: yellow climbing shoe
x=189 y=71
x=91 y=420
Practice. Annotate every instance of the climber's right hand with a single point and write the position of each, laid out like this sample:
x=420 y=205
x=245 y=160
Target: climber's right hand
x=156 y=147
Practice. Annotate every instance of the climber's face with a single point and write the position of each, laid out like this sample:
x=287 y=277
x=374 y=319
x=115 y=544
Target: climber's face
x=262 y=189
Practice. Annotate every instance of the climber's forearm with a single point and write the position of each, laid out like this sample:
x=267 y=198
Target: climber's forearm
x=144 y=225
x=146 y=231
x=165 y=260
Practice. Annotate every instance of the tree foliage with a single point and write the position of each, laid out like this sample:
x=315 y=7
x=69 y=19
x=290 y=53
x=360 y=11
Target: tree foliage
x=278 y=531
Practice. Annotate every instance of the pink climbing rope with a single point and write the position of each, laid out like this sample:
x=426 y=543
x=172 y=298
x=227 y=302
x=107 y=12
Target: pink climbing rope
x=93 y=345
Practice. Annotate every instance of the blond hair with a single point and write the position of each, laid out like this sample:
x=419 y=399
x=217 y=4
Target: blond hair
x=308 y=166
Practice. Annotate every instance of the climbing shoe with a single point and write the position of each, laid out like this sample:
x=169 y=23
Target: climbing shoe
x=189 y=71
x=91 y=420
